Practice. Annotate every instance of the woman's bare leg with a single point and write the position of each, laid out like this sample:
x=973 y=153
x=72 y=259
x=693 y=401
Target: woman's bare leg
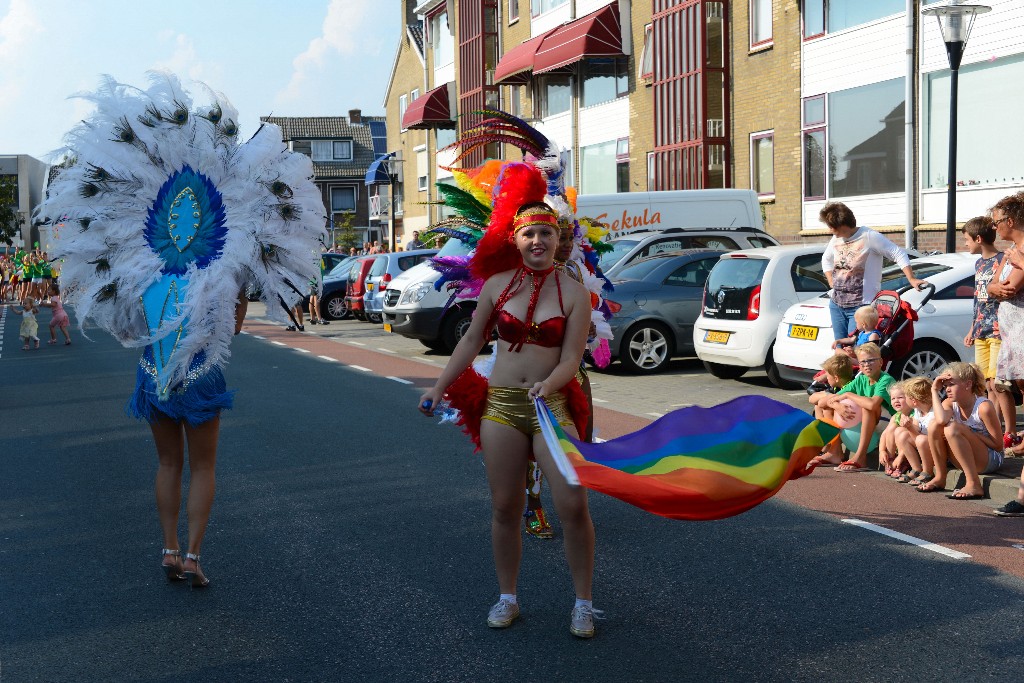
x=506 y=451
x=170 y=450
x=574 y=515
x=202 y=458
x=970 y=453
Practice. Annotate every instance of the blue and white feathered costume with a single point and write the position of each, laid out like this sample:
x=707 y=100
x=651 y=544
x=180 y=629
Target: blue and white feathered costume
x=163 y=217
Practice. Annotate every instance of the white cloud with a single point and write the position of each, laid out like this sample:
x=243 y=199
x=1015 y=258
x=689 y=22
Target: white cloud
x=349 y=33
x=186 y=62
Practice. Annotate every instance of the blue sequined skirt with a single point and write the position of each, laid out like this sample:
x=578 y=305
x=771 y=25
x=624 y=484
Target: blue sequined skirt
x=198 y=399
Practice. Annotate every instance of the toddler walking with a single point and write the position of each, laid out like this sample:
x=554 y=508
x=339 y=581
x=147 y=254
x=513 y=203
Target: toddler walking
x=29 y=325
x=60 y=316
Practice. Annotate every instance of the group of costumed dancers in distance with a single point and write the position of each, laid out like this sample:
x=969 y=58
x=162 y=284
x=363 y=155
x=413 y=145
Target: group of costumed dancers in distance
x=164 y=219
x=534 y=270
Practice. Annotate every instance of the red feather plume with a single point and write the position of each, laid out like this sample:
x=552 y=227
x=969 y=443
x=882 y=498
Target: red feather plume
x=518 y=184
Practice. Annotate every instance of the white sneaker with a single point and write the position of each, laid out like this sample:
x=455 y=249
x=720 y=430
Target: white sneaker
x=503 y=614
x=582 y=624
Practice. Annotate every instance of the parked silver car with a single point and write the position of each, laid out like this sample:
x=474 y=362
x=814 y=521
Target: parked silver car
x=656 y=301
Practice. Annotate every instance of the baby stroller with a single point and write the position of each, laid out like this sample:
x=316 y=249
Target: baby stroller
x=895 y=325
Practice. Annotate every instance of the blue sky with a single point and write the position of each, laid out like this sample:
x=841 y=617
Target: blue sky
x=296 y=58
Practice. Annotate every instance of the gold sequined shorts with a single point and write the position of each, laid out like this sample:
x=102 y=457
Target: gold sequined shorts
x=513 y=406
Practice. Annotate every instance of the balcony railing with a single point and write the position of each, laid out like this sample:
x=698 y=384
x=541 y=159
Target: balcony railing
x=379 y=205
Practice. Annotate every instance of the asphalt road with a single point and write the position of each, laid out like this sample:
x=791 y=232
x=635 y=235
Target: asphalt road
x=349 y=542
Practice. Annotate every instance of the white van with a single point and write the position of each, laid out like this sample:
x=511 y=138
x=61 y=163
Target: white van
x=413 y=308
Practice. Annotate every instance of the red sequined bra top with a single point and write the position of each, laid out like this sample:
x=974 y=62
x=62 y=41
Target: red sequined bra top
x=548 y=333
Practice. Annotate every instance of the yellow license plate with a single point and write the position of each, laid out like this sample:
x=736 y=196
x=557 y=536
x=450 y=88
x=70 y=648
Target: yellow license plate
x=712 y=337
x=803 y=332
x=387 y=327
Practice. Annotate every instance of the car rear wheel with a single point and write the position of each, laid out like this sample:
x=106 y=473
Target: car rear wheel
x=335 y=307
x=772 y=370
x=645 y=348
x=924 y=360
x=375 y=318
x=725 y=371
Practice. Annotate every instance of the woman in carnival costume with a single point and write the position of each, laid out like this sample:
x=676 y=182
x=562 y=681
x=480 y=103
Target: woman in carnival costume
x=164 y=220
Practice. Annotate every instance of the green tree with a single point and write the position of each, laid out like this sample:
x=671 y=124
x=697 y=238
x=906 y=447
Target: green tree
x=10 y=220
x=345 y=236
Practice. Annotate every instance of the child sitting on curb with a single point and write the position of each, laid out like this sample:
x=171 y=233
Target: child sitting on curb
x=970 y=425
x=889 y=456
x=869 y=391
x=912 y=434
x=838 y=370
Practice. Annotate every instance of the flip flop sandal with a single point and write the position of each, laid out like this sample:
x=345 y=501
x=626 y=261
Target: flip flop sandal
x=968 y=496
x=930 y=488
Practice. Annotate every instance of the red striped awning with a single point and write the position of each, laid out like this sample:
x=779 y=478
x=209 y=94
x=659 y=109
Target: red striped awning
x=598 y=34
x=515 y=66
x=431 y=110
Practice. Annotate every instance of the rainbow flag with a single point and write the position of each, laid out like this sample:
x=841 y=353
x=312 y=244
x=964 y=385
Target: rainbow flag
x=698 y=463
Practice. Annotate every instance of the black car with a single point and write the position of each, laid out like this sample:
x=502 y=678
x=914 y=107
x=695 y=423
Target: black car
x=332 y=296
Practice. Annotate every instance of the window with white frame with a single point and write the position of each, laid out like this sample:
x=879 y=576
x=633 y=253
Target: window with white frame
x=814 y=167
x=762 y=162
x=513 y=11
x=555 y=93
x=331 y=150
x=542 y=6
x=622 y=165
x=414 y=95
x=442 y=41
x=342 y=150
x=604 y=79
x=343 y=199
x=647 y=54
x=403 y=104
x=985 y=153
x=760 y=22
x=831 y=16
x=421 y=169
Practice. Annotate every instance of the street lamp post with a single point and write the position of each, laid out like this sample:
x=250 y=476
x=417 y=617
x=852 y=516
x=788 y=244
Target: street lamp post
x=955 y=21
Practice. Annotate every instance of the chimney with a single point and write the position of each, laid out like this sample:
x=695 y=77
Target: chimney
x=355 y=116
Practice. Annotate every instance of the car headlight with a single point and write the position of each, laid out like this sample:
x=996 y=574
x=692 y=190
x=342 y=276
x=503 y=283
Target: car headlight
x=415 y=293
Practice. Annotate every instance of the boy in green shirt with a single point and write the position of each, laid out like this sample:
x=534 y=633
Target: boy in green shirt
x=870 y=391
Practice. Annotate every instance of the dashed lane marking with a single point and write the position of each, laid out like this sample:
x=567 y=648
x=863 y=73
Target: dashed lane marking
x=599 y=400
x=302 y=350
x=399 y=380
x=257 y=336
x=798 y=393
x=355 y=343
x=277 y=343
x=913 y=540
x=379 y=348
x=360 y=367
x=333 y=360
x=655 y=414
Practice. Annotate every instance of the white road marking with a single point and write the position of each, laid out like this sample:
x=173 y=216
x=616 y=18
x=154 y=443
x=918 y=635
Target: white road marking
x=600 y=400
x=257 y=336
x=598 y=439
x=302 y=350
x=360 y=367
x=913 y=540
x=333 y=360
x=681 y=405
x=384 y=350
x=355 y=343
x=798 y=393
x=655 y=414
x=399 y=380
x=277 y=343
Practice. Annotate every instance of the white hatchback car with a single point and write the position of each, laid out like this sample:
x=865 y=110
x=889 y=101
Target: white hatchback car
x=745 y=297
x=804 y=337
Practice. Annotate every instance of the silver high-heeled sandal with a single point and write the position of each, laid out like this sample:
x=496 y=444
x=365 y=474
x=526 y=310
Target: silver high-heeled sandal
x=174 y=569
x=195 y=579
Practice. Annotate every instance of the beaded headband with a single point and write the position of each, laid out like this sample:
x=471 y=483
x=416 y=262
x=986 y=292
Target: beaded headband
x=535 y=216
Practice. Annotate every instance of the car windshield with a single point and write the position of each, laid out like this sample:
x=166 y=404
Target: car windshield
x=454 y=247
x=619 y=249
x=638 y=270
x=341 y=270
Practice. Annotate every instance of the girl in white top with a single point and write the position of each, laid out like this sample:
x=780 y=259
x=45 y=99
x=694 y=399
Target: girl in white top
x=970 y=424
x=912 y=435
